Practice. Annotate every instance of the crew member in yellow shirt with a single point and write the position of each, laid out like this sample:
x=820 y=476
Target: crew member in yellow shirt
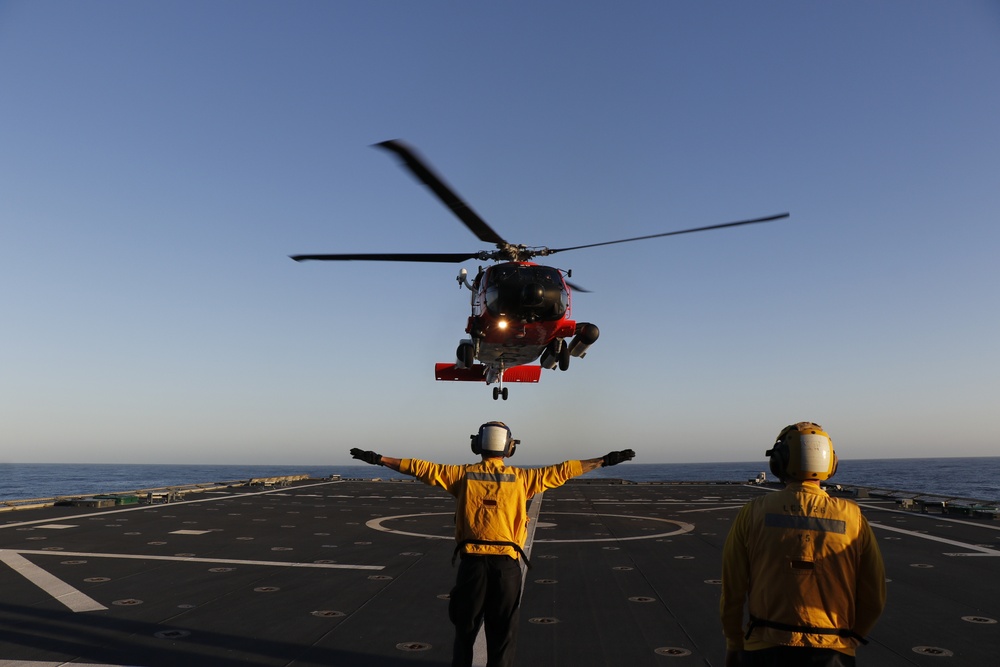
x=491 y=526
x=805 y=565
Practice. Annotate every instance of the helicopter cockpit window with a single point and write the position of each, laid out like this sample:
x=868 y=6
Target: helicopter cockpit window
x=529 y=293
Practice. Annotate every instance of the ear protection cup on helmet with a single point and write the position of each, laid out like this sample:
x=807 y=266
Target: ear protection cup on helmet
x=779 y=454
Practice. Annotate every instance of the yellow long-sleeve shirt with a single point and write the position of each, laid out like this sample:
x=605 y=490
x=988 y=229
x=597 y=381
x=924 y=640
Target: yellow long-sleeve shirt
x=801 y=558
x=492 y=497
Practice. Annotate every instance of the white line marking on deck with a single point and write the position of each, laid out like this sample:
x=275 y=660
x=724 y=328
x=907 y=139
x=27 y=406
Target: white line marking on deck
x=682 y=526
x=712 y=509
x=41 y=663
x=192 y=559
x=935 y=517
x=142 y=508
x=977 y=550
x=376 y=524
x=57 y=588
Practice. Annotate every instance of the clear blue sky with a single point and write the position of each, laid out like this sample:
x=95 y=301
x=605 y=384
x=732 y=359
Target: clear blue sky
x=160 y=161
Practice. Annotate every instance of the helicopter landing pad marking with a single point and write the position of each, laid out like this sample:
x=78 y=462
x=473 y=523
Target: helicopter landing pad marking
x=376 y=524
x=682 y=527
x=712 y=509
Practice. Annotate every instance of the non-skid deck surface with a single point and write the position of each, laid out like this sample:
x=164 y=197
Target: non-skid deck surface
x=351 y=573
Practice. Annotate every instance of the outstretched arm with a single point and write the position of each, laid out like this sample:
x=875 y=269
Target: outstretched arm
x=609 y=459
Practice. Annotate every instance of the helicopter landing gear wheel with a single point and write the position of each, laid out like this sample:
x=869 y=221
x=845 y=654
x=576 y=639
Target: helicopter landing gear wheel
x=499 y=393
x=564 y=356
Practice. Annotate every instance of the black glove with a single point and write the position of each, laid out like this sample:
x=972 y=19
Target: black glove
x=368 y=457
x=614 y=458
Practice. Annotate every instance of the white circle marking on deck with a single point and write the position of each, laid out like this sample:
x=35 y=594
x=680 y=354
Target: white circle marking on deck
x=682 y=527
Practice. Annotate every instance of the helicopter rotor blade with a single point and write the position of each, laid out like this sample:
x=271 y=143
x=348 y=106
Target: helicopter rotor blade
x=577 y=288
x=419 y=168
x=682 y=231
x=449 y=257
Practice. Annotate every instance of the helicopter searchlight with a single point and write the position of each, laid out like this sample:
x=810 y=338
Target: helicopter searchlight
x=520 y=309
x=463 y=279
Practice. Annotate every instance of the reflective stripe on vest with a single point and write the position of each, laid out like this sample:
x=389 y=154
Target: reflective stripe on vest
x=798 y=522
x=491 y=476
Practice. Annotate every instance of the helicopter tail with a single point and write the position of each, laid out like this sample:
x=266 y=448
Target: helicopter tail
x=477 y=373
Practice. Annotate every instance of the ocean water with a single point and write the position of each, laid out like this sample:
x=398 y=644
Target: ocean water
x=975 y=478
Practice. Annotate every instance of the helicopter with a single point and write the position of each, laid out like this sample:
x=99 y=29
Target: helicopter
x=520 y=309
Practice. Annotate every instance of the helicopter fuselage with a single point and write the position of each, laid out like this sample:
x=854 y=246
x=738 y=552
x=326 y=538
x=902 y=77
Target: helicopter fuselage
x=520 y=313
x=518 y=308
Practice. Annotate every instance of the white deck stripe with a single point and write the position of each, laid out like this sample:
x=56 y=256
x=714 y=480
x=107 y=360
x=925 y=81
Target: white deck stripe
x=933 y=517
x=533 y=512
x=712 y=509
x=57 y=588
x=978 y=550
x=142 y=508
x=42 y=663
x=192 y=559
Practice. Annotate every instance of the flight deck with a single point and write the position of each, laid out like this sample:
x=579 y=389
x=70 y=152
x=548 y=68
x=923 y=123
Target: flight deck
x=309 y=572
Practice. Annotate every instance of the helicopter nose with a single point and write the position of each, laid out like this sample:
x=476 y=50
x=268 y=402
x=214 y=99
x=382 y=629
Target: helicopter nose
x=532 y=294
